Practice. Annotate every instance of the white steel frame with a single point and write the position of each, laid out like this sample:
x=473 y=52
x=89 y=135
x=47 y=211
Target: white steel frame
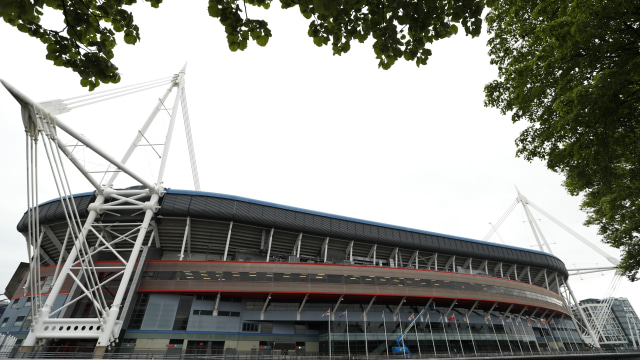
x=589 y=327
x=126 y=244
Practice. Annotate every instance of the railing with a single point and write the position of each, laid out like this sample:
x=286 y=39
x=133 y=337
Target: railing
x=279 y=355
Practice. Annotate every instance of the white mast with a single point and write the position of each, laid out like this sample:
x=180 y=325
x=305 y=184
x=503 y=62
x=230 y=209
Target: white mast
x=590 y=324
x=125 y=242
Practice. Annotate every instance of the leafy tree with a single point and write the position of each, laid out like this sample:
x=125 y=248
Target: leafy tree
x=571 y=69
x=400 y=28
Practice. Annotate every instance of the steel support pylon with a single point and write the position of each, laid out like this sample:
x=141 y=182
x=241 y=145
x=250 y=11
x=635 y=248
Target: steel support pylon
x=589 y=335
x=105 y=286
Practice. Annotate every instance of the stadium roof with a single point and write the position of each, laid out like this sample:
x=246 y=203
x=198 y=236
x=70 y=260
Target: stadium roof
x=214 y=206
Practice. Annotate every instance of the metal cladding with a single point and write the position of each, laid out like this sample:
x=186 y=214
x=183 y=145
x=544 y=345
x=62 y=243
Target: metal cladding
x=212 y=206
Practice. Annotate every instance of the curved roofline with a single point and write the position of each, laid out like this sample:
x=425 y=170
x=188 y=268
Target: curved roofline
x=346 y=218
x=209 y=205
x=73 y=196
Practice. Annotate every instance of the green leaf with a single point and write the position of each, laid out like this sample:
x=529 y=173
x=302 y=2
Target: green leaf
x=129 y=37
x=263 y=40
x=568 y=70
x=214 y=10
x=84 y=32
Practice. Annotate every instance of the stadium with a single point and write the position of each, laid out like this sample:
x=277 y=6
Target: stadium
x=228 y=274
x=151 y=270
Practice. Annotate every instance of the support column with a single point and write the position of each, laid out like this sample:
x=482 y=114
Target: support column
x=269 y=245
x=335 y=308
x=592 y=333
x=306 y=296
x=325 y=249
x=372 y=253
x=226 y=247
x=264 y=308
x=110 y=330
x=37 y=326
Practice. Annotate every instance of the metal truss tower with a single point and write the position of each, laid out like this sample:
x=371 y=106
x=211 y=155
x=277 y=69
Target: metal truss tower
x=106 y=286
x=591 y=328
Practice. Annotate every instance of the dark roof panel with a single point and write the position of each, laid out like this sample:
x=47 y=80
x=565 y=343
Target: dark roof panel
x=178 y=203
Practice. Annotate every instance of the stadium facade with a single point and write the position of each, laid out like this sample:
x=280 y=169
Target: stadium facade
x=221 y=273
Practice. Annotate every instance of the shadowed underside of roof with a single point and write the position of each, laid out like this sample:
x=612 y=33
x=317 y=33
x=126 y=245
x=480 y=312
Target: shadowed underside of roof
x=212 y=206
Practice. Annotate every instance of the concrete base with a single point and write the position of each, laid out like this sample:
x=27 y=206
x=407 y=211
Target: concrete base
x=25 y=349
x=98 y=352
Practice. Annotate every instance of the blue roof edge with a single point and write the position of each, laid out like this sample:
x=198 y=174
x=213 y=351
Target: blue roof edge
x=340 y=217
x=88 y=193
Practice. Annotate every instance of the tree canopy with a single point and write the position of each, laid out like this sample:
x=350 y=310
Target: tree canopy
x=400 y=28
x=571 y=69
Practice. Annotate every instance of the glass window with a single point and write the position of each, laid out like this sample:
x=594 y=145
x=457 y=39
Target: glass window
x=368 y=280
x=447 y=284
x=246 y=276
x=138 y=311
x=267 y=328
x=202 y=312
x=250 y=304
x=231 y=299
x=149 y=275
x=26 y=324
x=262 y=276
x=296 y=277
x=318 y=278
x=19 y=321
x=46 y=283
x=412 y=282
x=227 y=275
x=281 y=277
x=351 y=279
x=284 y=305
x=299 y=328
x=167 y=275
x=182 y=315
x=176 y=343
x=250 y=327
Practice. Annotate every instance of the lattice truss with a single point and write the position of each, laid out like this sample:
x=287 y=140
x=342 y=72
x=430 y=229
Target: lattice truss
x=591 y=328
x=117 y=226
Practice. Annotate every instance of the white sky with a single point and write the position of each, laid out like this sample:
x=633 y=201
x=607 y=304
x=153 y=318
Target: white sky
x=292 y=124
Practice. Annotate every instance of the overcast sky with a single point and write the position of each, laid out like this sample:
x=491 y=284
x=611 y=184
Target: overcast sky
x=292 y=124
